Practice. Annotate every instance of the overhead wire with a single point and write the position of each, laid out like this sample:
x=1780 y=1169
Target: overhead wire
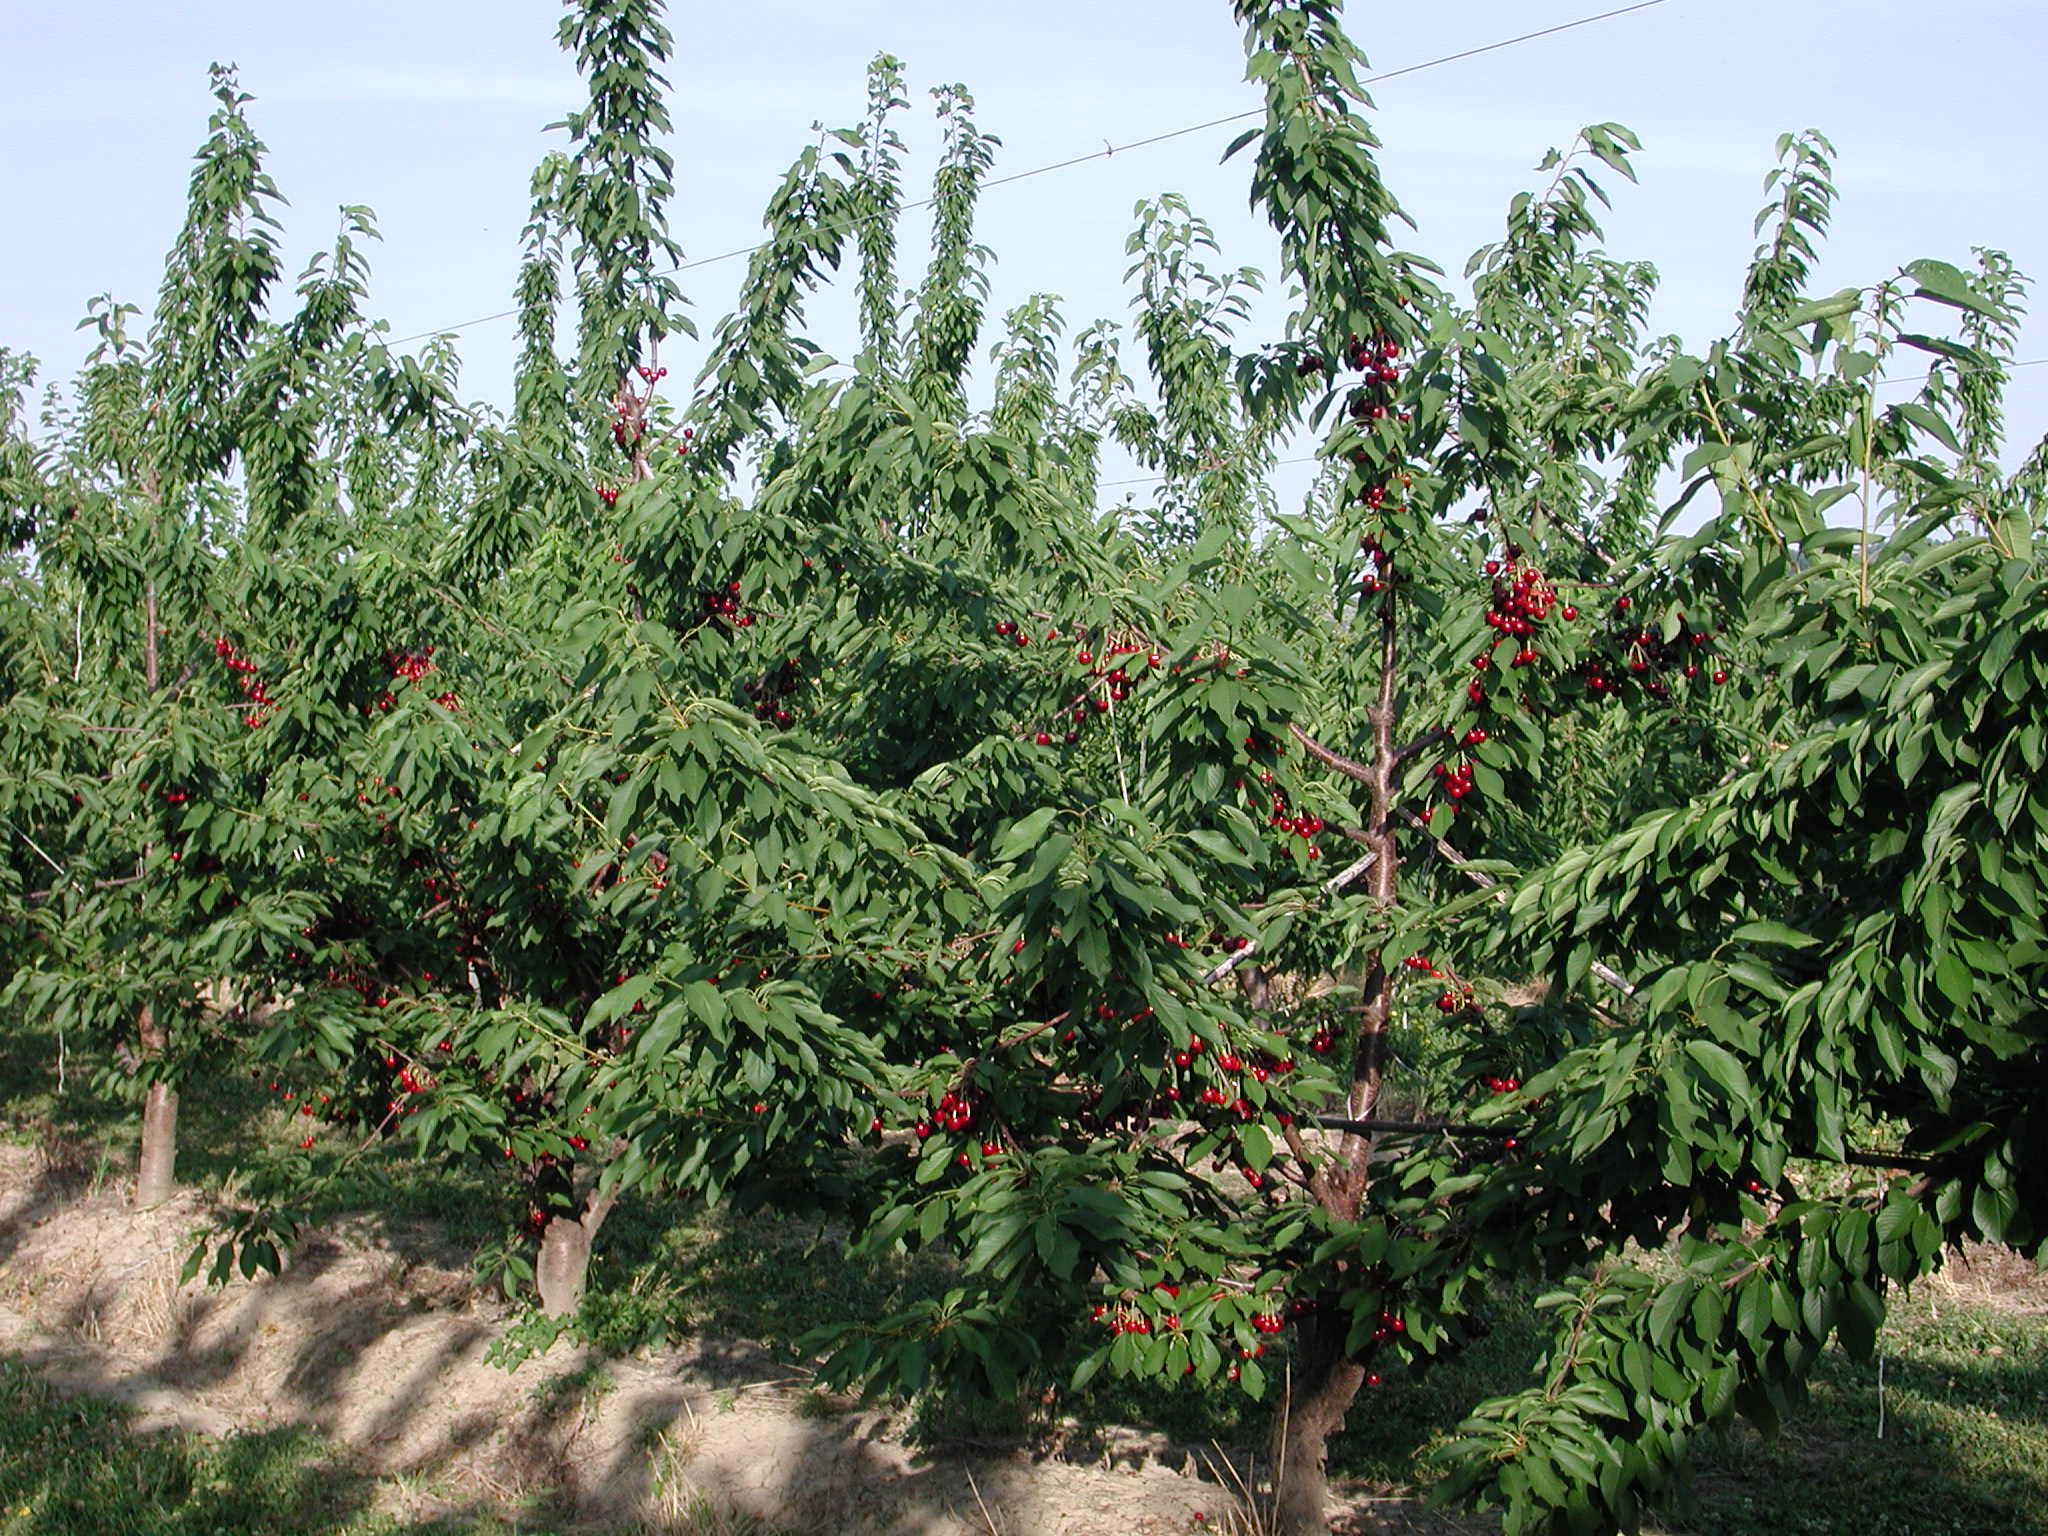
x=1107 y=152
x=1310 y=458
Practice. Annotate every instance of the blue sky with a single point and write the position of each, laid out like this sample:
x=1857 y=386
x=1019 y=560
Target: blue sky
x=432 y=113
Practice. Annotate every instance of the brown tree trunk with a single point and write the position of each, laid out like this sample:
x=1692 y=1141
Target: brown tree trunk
x=563 y=1264
x=1319 y=1395
x=1325 y=1381
x=156 y=1173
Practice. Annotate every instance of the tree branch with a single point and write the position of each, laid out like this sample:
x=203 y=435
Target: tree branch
x=1326 y=755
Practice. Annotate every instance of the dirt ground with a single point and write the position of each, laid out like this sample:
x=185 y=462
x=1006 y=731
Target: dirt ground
x=380 y=1345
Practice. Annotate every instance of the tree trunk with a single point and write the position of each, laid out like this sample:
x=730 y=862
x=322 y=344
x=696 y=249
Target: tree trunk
x=560 y=1268
x=1325 y=1381
x=1320 y=1394
x=156 y=1174
x=563 y=1264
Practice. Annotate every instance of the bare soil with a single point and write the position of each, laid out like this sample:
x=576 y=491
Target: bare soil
x=378 y=1341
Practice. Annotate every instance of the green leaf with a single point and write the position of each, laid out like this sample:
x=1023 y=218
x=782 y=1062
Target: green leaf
x=1767 y=932
x=1847 y=302
x=1940 y=346
x=1724 y=1070
x=1947 y=285
x=1023 y=834
x=1935 y=426
x=1257 y=1147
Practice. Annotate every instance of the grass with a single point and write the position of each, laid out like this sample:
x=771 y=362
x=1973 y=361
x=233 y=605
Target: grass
x=664 y=1273
x=71 y=1468
x=1955 y=1443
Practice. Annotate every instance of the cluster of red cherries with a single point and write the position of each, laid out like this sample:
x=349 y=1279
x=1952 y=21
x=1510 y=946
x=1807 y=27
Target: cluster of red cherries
x=1449 y=1000
x=252 y=685
x=289 y=1096
x=1521 y=601
x=1107 y=681
x=722 y=605
x=955 y=1112
x=629 y=425
x=771 y=693
x=410 y=667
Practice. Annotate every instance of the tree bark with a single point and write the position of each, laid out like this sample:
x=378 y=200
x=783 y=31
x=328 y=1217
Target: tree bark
x=1318 y=1397
x=156 y=1172
x=1326 y=1382
x=563 y=1264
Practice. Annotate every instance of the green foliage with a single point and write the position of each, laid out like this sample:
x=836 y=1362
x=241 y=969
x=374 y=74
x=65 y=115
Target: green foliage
x=803 y=793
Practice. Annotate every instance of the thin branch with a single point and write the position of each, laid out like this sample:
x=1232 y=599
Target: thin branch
x=1577 y=535
x=39 y=849
x=1450 y=855
x=1416 y=747
x=1879 y=1160
x=1322 y=754
x=1587 y=1303
x=1414 y=1128
x=1331 y=886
